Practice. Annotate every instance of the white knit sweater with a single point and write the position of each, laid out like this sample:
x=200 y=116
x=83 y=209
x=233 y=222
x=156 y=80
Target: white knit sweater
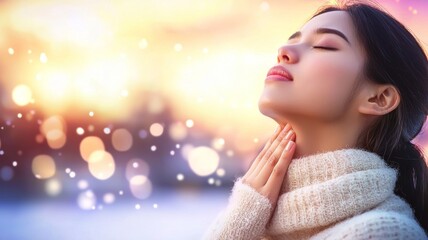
x=344 y=194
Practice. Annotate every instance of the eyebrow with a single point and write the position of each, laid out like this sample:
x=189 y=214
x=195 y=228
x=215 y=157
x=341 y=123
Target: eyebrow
x=322 y=31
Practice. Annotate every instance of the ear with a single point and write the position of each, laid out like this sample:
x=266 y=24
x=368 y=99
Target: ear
x=379 y=99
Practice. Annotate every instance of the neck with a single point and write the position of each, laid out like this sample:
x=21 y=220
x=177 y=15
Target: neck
x=317 y=138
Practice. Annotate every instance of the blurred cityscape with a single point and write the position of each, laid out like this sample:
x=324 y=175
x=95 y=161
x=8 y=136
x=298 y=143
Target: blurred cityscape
x=137 y=115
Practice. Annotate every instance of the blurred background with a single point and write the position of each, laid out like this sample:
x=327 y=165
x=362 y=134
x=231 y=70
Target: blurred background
x=131 y=119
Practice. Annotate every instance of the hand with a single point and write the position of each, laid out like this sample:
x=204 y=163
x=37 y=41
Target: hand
x=267 y=172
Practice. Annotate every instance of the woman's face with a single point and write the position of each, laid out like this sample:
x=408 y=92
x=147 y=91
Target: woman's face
x=325 y=62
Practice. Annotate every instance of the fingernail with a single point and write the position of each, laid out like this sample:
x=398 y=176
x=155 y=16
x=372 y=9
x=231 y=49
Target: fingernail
x=276 y=129
x=289 y=145
x=290 y=132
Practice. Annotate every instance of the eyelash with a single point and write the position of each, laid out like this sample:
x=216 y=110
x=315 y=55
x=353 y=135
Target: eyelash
x=325 y=48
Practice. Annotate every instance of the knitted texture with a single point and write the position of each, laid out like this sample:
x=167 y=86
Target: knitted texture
x=344 y=194
x=246 y=216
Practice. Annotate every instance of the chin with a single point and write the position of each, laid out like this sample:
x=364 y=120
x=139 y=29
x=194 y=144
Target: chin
x=267 y=108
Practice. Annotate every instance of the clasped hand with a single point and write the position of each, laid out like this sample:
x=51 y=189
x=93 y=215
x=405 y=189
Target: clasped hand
x=268 y=170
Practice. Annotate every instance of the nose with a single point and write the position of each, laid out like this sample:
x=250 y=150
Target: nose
x=286 y=54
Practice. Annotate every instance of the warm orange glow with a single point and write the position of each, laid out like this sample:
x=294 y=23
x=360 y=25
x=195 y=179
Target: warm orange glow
x=205 y=60
x=22 y=95
x=43 y=166
x=56 y=139
x=101 y=165
x=89 y=145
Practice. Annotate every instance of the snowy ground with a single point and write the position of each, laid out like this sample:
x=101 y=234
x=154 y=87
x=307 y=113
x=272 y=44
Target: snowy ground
x=176 y=216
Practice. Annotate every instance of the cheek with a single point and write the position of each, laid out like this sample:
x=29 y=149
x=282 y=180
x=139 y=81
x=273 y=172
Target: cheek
x=330 y=82
x=331 y=76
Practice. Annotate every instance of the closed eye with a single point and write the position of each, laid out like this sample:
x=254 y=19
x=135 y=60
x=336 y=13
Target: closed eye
x=325 y=48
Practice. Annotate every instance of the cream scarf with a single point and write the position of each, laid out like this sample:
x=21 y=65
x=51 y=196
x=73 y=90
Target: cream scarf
x=323 y=189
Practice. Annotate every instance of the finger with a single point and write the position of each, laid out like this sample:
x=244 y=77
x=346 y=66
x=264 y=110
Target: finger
x=277 y=177
x=263 y=152
x=266 y=146
x=271 y=149
x=270 y=164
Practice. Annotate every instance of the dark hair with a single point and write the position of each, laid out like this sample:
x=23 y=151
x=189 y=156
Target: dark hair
x=394 y=56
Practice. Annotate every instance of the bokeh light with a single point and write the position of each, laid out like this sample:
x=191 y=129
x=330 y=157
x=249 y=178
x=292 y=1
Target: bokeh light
x=101 y=165
x=218 y=143
x=121 y=140
x=140 y=186
x=109 y=198
x=56 y=139
x=22 y=95
x=132 y=105
x=87 y=200
x=80 y=131
x=89 y=145
x=43 y=166
x=156 y=129
x=221 y=172
x=53 y=187
x=203 y=160
x=54 y=130
x=180 y=177
x=82 y=184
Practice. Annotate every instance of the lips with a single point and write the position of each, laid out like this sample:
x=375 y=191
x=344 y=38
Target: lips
x=279 y=73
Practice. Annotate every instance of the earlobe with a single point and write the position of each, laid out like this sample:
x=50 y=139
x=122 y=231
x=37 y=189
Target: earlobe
x=379 y=100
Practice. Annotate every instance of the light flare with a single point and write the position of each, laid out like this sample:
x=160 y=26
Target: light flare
x=203 y=160
x=101 y=165
x=43 y=166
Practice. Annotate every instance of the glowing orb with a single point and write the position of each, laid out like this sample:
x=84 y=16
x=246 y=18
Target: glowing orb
x=218 y=143
x=53 y=187
x=80 y=131
x=43 y=166
x=109 y=198
x=56 y=139
x=140 y=186
x=86 y=200
x=221 y=172
x=52 y=123
x=156 y=129
x=203 y=160
x=101 y=165
x=82 y=184
x=89 y=145
x=180 y=177
x=190 y=123
x=121 y=140
x=22 y=95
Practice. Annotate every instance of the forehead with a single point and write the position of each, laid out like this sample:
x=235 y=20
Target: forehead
x=338 y=20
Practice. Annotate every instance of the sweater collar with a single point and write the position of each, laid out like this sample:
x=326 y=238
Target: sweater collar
x=325 y=166
x=323 y=189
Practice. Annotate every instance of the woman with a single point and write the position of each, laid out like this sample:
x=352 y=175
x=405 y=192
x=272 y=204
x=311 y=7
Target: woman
x=349 y=92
